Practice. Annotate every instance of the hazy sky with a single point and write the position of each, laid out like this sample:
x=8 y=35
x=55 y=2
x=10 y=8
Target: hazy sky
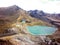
x=51 y=6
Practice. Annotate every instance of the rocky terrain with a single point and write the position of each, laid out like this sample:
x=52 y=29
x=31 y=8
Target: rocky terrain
x=53 y=19
x=13 y=22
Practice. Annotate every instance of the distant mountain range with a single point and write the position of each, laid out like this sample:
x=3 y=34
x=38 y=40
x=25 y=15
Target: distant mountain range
x=51 y=18
x=13 y=12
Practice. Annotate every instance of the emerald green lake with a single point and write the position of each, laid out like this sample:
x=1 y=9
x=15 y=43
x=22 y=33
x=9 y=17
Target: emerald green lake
x=41 y=30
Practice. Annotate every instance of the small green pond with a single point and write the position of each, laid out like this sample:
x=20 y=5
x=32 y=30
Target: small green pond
x=41 y=30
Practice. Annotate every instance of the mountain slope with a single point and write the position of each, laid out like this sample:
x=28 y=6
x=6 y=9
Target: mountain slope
x=13 y=29
x=24 y=15
x=47 y=17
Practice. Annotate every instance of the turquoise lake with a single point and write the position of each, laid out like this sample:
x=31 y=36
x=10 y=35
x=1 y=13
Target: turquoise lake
x=41 y=30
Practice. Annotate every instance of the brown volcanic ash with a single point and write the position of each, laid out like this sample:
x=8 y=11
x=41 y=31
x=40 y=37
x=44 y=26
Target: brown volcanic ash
x=8 y=16
x=8 y=10
x=4 y=42
x=55 y=21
